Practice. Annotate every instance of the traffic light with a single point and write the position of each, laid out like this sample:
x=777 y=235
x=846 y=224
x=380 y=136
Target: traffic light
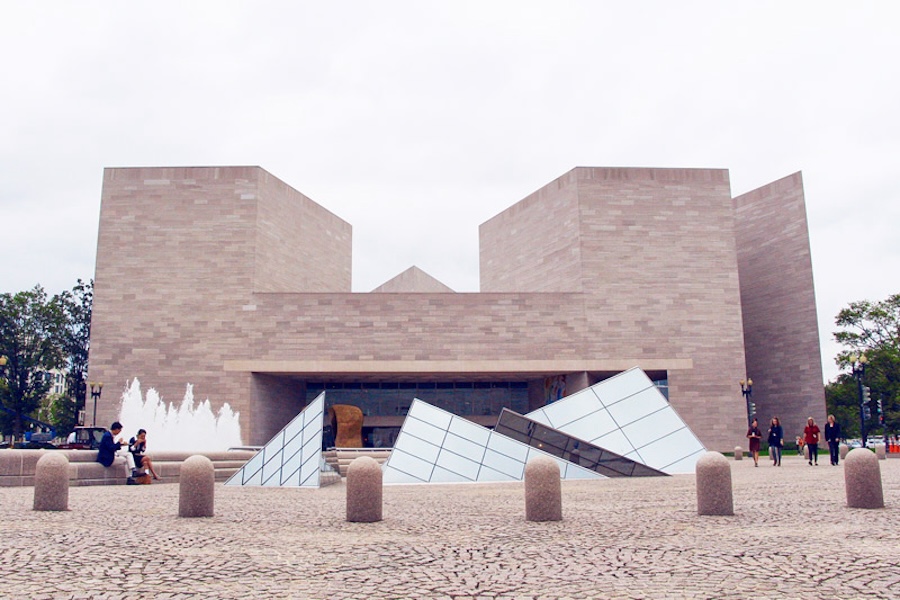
x=752 y=406
x=867 y=413
x=867 y=394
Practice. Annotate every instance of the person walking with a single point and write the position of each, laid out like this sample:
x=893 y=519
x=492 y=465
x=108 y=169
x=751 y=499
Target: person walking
x=754 y=435
x=811 y=437
x=833 y=437
x=776 y=441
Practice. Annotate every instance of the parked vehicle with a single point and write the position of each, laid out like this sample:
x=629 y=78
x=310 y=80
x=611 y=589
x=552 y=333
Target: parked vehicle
x=86 y=438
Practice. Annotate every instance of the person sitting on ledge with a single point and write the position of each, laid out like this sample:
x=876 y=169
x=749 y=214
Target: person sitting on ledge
x=138 y=446
x=108 y=447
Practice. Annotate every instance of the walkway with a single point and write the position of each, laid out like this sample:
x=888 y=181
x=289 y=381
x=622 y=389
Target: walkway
x=792 y=537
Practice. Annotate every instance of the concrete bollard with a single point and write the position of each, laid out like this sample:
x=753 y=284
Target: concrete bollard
x=805 y=452
x=196 y=487
x=543 y=492
x=51 y=482
x=843 y=449
x=880 y=451
x=862 y=478
x=714 y=496
x=738 y=453
x=364 y=490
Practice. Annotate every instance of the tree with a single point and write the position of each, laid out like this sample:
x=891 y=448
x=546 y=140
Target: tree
x=842 y=401
x=31 y=327
x=873 y=329
x=76 y=342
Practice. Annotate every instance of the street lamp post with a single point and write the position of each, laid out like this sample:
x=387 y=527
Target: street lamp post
x=747 y=392
x=858 y=367
x=96 y=390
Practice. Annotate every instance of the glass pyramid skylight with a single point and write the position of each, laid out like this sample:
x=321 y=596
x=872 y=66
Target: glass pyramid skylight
x=293 y=458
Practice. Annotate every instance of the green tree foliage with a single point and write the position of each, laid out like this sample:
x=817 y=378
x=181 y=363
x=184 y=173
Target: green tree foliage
x=842 y=401
x=76 y=342
x=31 y=330
x=872 y=328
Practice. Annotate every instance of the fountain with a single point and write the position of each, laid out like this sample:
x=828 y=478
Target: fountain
x=182 y=429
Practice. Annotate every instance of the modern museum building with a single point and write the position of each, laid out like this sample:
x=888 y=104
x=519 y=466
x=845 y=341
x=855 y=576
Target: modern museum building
x=231 y=280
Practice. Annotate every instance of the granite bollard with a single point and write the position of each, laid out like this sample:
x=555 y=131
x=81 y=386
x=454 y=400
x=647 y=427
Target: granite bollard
x=51 y=482
x=862 y=478
x=738 y=453
x=843 y=449
x=880 y=451
x=196 y=487
x=364 y=490
x=543 y=492
x=714 y=495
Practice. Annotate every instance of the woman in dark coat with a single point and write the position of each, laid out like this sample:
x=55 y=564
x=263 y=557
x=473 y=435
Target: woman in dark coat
x=776 y=441
x=833 y=437
x=754 y=435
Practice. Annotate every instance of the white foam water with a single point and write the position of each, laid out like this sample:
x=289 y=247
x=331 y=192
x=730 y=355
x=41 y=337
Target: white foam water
x=185 y=429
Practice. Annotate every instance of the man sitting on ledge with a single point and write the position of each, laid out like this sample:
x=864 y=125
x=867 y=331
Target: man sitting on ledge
x=108 y=448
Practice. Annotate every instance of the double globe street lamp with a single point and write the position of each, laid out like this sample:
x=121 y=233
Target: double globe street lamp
x=96 y=390
x=858 y=368
x=747 y=392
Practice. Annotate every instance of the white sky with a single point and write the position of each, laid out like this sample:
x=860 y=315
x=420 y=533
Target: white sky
x=417 y=121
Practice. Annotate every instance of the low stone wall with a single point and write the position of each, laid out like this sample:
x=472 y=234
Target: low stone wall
x=17 y=466
x=340 y=458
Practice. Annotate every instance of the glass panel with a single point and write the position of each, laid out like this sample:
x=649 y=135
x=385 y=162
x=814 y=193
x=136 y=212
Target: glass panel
x=591 y=427
x=652 y=427
x=614 y=441
x=312 y=448
x=670 y=449
x=488 y=474
x=309 y=471
x=430 y=414
x=470 y=431
x=293 y=446
x=272 y=466
x=255 y=478
x=410 y=465
x=685 y=465
x=505 y=464
x=391 y=475
x=509 y=447
x=463 y=467
x=294 y=427
x=639 y=405
x=621 y=386
x=464 y=447
x=443 y=476
x=561 y=413
x=418 y=448
x=421 y=430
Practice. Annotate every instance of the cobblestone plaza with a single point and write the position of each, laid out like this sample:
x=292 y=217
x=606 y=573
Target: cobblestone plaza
x=791 y=537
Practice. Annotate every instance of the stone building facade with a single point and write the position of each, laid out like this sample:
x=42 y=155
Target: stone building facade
x=229 y=279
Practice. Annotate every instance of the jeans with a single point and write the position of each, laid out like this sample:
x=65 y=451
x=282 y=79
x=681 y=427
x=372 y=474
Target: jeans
x=834 y=448
x=813 y=452
x=775 y=453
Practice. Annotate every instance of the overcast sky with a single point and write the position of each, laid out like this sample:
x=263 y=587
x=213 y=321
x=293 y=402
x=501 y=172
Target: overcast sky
x=418 y=121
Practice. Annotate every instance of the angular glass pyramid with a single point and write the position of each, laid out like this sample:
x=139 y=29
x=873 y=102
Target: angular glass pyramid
x=293 y=458
x=435 y=446
x=628 y=415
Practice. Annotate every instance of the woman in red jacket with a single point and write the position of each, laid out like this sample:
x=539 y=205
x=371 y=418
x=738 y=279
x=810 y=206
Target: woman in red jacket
x=811 y=437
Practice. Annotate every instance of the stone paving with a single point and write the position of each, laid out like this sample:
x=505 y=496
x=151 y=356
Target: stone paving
x=792 y=536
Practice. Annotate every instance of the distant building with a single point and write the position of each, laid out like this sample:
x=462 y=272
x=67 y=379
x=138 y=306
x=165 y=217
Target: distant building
x=227 y=278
